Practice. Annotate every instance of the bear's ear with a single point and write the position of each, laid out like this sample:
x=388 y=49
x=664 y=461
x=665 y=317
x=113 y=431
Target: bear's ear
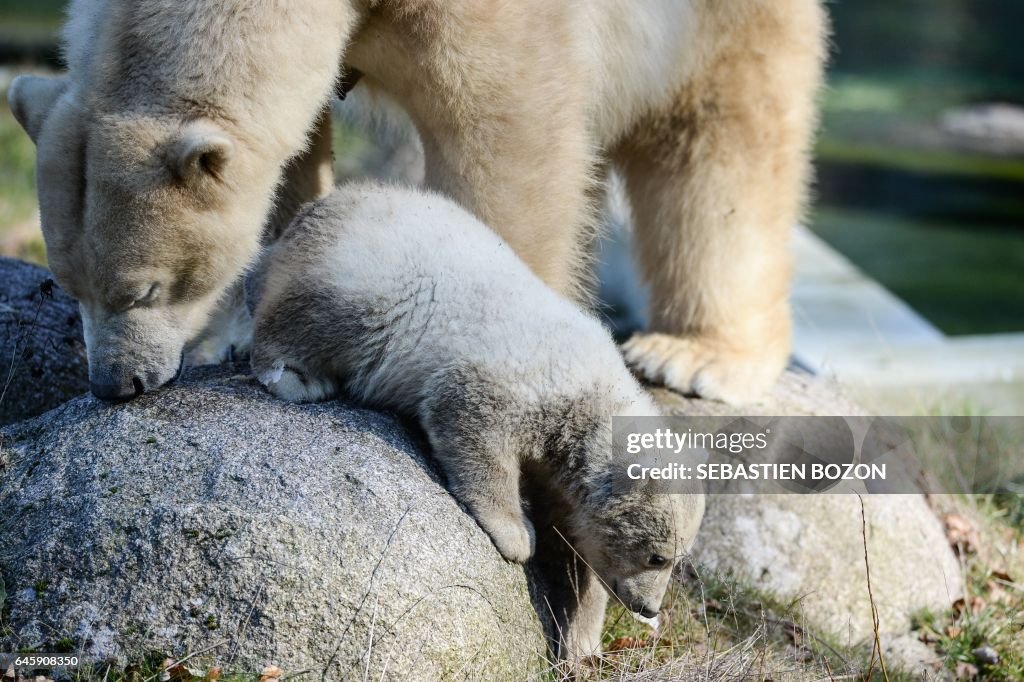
x=202 y=149
x=31 y=99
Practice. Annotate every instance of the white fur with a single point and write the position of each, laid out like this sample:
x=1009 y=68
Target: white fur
x=640 y=53
x=474 y=313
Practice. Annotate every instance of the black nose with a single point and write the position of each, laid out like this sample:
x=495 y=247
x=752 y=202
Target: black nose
x=646 y=612
x=117 y=391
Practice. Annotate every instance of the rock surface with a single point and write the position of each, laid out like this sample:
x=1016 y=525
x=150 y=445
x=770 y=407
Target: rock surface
x=42 y=356
x=811 y=548
x=910 y=656
x=210 y=516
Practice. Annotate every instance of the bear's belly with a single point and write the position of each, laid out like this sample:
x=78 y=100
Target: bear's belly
x=631 y=57
x=640 y=52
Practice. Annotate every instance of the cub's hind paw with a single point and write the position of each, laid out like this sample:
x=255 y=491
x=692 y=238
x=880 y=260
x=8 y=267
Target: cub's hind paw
x=513 y=535
x=295 y=386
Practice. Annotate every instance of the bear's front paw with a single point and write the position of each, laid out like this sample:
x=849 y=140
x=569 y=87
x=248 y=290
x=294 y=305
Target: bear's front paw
x=709 y=369
x=513 y=535
x=295 y=386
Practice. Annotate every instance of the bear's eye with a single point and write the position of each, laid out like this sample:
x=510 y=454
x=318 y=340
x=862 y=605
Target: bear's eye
x=657 y=560
x=149 y=296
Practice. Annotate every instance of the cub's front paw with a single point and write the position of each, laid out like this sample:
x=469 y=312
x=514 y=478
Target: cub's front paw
x=709 y=369
x=513 y=535
x=295 y=386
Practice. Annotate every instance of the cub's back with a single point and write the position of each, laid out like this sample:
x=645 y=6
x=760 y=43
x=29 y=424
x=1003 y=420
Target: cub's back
x=448 y=292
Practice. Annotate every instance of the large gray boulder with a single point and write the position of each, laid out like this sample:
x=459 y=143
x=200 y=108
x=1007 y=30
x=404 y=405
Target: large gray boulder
x=810 y=548
x=208 y=516
x=42 y=356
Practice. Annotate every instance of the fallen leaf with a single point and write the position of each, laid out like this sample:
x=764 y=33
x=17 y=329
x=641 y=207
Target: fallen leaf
x=966 y=671
x=623 y=643
x=794 y=632
x=975 y=606
x=961 y=534
x=181 y=673
x=213 y=674
x=271 y=674
x=1001 y=575
x=996 y=593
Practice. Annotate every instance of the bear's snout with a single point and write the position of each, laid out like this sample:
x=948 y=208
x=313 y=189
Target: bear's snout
x=118 y=383
x=118 y=391
x=641 y=596
x=646 y=611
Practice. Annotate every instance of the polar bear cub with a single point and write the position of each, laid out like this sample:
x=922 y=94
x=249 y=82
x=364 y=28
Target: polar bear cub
x=402 y=300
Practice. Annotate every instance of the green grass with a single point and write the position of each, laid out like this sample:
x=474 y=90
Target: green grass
x=39 y=17
x=991 y=615
x=17 y=188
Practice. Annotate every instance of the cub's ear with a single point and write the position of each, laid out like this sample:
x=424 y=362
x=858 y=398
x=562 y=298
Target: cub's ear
x=31 y=99
x=202 y=149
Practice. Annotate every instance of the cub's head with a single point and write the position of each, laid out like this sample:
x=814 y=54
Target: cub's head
x=148 y=217
x=634 y=539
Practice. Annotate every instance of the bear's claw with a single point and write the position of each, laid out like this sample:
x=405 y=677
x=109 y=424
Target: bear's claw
x=296 y=387
x=697 y=366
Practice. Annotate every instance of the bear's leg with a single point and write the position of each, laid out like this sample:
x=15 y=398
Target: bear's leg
x=227 y=336
x=486 y=480
x=568 y=595
x=539 y=201
x=289 y=380
x=482 y=466
x=503 y=121
x=308 y=176
x=716 y=182
x=581 y=633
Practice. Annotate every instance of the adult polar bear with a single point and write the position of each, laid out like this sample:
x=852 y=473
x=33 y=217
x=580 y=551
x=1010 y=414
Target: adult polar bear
x=181 y=122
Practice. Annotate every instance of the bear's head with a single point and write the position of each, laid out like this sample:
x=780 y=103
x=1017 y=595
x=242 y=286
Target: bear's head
x=148 y=218
x=633 y=539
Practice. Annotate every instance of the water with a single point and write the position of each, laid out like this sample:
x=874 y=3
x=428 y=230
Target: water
x=937 y=218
